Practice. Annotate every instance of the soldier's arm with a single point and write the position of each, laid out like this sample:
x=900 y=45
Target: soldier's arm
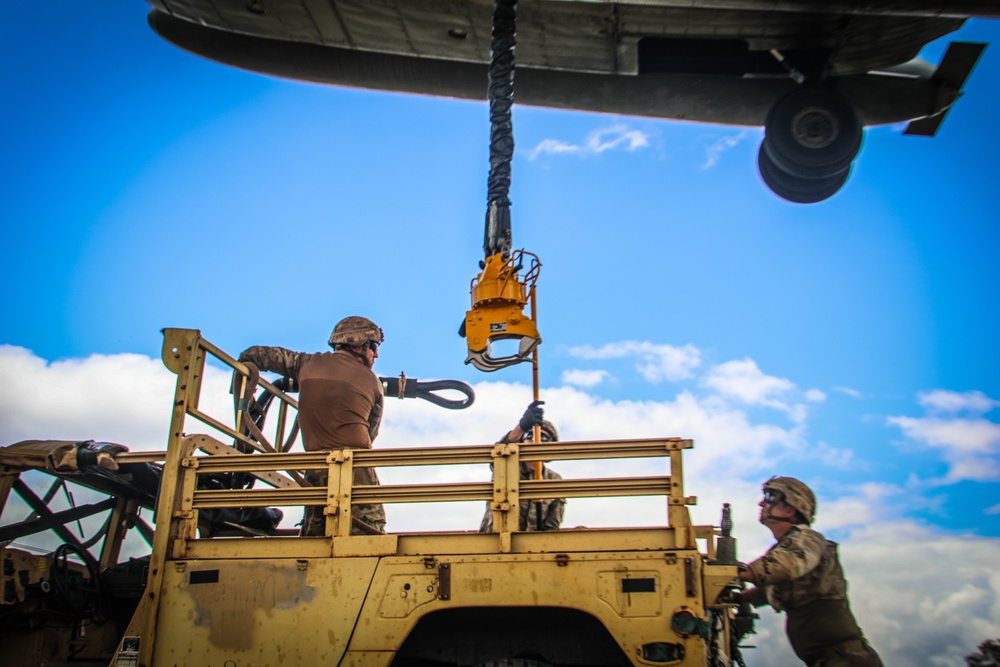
x=486 y=525
x=375 y=418
x=554 y=513
x=795 y=555
x=275 y=360
x=756 y=597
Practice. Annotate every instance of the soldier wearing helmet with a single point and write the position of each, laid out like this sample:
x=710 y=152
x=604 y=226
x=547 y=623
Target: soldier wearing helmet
x=551 y=509
x=340 y=406
x=801 y=575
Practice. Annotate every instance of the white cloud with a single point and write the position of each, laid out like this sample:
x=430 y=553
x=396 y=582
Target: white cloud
x=616 y=137
x=992 y=510
x=714 y=151
x=970 y=446
x=743 y=380
x=944 y=401
x=657 y=362
x=121 y=398
x=915 y=609
x=870 y=502
x=815 y=395
x=553 y=147
x=833 y=457
x=582 y=378
x=853 y=393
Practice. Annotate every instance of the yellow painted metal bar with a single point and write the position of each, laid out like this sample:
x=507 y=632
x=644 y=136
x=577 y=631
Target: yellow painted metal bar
x=302 y=495
x=141 y=457
x=501 y=503
x=423 y=493
x=185 y=516
x=368 y=458
x=217 y=449
x=238 y=365
x=594 y=540
x=594 y=488
x=181 y=354
x=438 y=492
x=568 y=450
x=261 y=462
x=228 y=430
x=677 y=511
x=342 y=466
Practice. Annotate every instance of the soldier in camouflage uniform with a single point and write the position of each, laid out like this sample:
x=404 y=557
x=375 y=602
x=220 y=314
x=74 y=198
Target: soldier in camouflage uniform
x=801 y=575
x=340 y=407
x=553 y=509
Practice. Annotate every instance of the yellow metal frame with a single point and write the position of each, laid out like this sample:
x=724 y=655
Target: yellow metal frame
x=177 y=539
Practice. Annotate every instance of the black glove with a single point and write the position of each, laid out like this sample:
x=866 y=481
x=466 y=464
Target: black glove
x=532 y=416
x=92 y=454
x=731 y=597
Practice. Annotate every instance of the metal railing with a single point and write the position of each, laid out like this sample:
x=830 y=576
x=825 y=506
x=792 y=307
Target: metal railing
x=191 y=456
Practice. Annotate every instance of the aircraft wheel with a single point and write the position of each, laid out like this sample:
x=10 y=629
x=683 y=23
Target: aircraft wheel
x=794 y=187
x=813 y=132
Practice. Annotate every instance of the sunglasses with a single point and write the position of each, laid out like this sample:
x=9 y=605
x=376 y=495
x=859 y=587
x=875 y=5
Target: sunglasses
x=772 y=497
x=373 y=346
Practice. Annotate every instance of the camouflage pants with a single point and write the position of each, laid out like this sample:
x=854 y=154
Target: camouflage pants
x=371 y=517
x=853 y=653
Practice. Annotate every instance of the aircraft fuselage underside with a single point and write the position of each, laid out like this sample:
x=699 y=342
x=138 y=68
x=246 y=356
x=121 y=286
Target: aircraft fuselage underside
x=727 y=65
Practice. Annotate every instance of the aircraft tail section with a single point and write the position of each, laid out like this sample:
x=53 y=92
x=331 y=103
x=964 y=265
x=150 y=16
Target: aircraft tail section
x=950 y=76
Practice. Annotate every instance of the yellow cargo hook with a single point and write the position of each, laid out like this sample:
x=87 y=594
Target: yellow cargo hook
x=499 y=296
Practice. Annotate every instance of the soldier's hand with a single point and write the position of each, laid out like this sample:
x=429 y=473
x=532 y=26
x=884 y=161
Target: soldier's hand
x=532 y=416
x=731 y=597
x=253 y=377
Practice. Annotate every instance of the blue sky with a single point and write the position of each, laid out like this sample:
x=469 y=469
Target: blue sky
x=852 y=343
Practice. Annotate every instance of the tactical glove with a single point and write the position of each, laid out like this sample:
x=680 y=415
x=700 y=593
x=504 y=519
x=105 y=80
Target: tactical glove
x=92 y=454
x=532 y=416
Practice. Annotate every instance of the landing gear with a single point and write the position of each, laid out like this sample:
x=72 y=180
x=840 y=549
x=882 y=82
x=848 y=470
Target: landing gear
x=795 y=188
x=811 y=137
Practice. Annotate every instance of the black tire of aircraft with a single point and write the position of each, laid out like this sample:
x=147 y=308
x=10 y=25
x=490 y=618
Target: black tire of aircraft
x=794 y=188
x=813 y=132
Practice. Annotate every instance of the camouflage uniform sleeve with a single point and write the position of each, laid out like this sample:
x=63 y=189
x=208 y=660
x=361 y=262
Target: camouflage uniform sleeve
x=486 y=525
x=554 y=512
x=798 y=552
x=756 y=597
x=375 y=417
x=276 y=360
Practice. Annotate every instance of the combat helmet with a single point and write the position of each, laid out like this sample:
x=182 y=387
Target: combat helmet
x=548 y=429
x=798 y=496
x=355 y=330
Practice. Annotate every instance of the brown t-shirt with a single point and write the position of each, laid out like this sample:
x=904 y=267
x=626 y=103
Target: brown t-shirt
x=340 y=399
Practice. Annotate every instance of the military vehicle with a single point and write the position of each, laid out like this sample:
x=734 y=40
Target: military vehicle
x=224 y=584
